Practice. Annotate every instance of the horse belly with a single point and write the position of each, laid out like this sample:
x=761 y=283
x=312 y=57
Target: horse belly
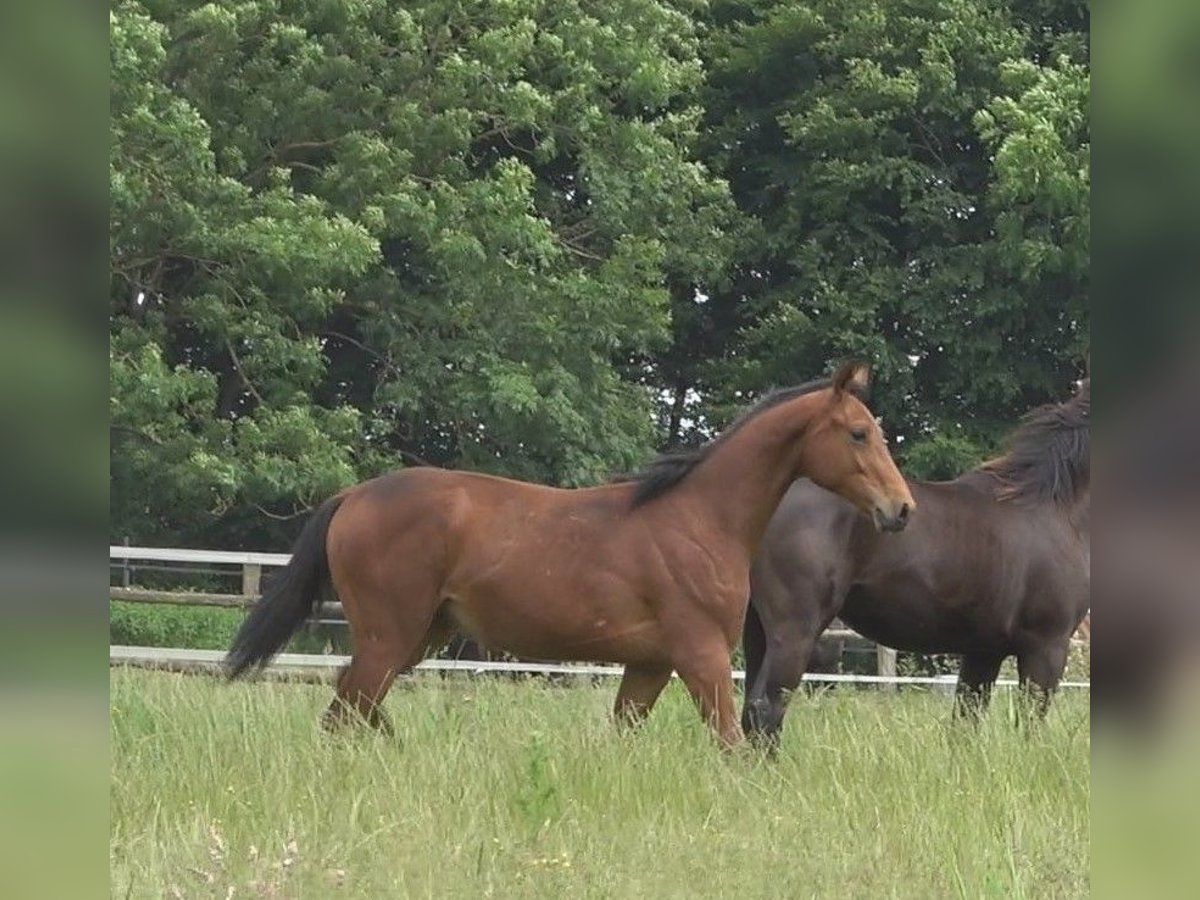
x=925 y=622
x=550 y=624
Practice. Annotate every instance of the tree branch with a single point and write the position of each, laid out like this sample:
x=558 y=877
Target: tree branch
x=134 y=433
x=281 y=518
x=303 y=145
x=237 y=365
x=370 y=351
x=926 y=137
x=578 y=251
x=408 y=455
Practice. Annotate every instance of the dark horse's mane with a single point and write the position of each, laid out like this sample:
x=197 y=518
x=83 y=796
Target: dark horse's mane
x=666 y=471
x=1048 y=457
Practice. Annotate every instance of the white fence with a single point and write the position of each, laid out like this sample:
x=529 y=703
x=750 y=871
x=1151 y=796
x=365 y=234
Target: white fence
x=321 y=665
x=127 y=558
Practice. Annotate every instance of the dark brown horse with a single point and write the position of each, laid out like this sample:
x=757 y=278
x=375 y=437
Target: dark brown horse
x=997 y=564
x=652 y=572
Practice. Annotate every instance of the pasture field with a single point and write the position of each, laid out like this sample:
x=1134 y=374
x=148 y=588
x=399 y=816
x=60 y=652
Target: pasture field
x=496 y=788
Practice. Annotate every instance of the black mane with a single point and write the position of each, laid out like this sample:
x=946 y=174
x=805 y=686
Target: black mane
x=669 y=469
x=1048 y=457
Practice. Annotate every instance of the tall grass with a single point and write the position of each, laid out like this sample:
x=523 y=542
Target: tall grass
x=195 y=627
x=501 y=789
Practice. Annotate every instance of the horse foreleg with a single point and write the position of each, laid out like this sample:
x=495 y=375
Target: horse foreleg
x=1040 y=669
x=788 y=652
x=709 y=679
x=640 y=687
x=976 y=676
x=754 y=648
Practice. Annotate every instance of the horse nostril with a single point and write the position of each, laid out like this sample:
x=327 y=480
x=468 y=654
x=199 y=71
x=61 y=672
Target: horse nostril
x=903 y=516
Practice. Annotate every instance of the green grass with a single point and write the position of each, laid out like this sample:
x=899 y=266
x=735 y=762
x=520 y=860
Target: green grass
x=196 y=627
x=168 y=625
x=520 y=789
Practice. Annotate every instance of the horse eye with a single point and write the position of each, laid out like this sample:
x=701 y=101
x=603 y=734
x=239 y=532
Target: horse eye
x=859 y=435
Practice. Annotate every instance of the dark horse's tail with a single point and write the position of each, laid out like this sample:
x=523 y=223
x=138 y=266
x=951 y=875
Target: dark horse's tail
x=289 y=599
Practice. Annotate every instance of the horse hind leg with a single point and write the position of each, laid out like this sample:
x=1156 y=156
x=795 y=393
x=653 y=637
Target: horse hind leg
x=360 y=689
x=375 y=662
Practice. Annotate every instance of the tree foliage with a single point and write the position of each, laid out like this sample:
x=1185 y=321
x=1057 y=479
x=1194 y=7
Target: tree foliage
x=919 y=182
x=349 y=235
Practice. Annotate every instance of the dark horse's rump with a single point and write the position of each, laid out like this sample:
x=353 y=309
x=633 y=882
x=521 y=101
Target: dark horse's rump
x=997 y=564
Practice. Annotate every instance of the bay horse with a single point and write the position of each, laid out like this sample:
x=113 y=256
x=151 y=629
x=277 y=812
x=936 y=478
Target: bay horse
x=651 y=570
x=997 y=564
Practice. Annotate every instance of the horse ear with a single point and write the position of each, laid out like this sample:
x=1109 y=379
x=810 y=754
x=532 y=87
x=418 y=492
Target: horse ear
x=853 y=377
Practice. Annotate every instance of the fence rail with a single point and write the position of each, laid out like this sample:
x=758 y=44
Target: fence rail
x=320 y=665
x=167 y=554
x=198 y=598
x=251 y=566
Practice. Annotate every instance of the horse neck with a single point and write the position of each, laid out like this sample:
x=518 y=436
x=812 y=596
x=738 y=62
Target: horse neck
x=740 y=484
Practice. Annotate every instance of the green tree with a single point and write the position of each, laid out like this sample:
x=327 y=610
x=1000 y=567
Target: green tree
x=346 y=234
x=217 y=291
x=511 y=236
x=918 y=173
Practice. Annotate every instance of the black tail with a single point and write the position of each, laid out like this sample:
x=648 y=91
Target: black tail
x=289 y=599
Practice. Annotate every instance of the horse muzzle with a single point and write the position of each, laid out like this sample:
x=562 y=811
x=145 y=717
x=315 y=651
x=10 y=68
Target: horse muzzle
x=893 y=518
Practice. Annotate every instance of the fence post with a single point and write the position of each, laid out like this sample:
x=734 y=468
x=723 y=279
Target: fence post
x=885 y=661
x=251 y=576
x=126 y=572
